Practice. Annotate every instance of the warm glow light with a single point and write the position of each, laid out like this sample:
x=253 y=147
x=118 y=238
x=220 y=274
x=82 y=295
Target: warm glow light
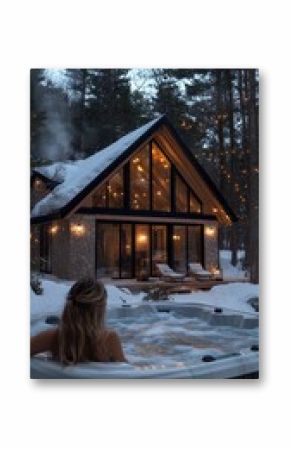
x=215 y=210
x=142 y=238
x=210 y=231
x=77 y=229
x=140 y=168
x=136 y=160
x=176 y=237
x=158 y=192
x=53 y=229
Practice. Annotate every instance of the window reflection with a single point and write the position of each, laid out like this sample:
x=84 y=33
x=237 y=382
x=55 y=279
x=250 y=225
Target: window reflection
x=126 y=250
x=139 y=178
x=111 y=194
x=179 y=241
x=161 y=169
x=194 y=203
x=107 y=250
x=194 y=244
x=142 y=248
x=181 y=195
x=99 y=198
x=159 y=246
x=115 y=189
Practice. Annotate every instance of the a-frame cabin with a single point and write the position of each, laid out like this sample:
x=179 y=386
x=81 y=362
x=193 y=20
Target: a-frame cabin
x=140 y=201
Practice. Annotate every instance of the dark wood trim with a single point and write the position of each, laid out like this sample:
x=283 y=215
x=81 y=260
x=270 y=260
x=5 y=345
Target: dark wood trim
x=144 y=213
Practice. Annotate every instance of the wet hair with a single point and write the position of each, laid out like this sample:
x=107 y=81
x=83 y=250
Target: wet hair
x=82 y=322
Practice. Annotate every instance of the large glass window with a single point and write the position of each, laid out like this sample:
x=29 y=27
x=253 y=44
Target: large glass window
x=179 y=248
x=126 y=250
x=100 y=197
x=181 y=195
x=139 y=180
x=107 y=250
x=194 y=203
x=194 y=244
x=161 y=169
x=142 y=250
x=116 y=190
x=111 y=194
x=159 y=246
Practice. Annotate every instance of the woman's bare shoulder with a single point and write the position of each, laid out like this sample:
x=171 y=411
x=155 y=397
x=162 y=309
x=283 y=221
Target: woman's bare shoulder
x=111 y=334
x=44 y=341
x=115 y=346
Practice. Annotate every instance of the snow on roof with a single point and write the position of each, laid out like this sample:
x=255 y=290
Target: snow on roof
x=58 y=171
x=75 y=176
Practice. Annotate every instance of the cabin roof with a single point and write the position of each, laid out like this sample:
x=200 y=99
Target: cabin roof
x=74 y=180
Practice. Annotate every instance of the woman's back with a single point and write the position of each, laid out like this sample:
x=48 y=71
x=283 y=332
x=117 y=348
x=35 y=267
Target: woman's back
x=106 y=348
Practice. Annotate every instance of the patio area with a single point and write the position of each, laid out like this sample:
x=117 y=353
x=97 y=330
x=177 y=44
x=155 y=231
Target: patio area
x=189 y=284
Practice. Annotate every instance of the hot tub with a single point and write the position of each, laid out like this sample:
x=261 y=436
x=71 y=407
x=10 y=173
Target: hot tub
x=167 y=340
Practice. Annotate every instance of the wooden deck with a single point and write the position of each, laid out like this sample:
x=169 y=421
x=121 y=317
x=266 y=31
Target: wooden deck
x=188 y=284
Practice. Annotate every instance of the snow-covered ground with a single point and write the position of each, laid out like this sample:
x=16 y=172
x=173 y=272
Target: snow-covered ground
x=229 y=271
x=232 y=296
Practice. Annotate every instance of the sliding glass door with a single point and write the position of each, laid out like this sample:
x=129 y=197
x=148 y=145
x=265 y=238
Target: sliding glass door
x=142 y=250
x=126 y=260
x=108 y=250
x=159 y=246
x=126 y=250
x=179 y=240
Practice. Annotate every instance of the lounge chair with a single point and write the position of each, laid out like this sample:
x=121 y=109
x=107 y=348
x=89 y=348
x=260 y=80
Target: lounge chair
x=168 y=274
x=196 y=270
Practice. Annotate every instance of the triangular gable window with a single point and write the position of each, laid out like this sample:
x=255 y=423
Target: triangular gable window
x=152 y=183
x=111 y=195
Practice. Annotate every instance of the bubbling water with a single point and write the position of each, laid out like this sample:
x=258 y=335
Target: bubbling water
x=168 y=340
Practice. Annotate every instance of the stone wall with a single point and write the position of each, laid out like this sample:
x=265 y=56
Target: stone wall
x=211 y=255
x=72 y=247
x=82 y=247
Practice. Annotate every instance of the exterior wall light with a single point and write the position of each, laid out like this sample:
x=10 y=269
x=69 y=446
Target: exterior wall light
x=77 y=229
x=53 y=229
x=176 y=237
x=210 y=231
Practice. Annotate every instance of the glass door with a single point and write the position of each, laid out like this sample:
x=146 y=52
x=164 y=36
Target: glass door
x=126 y=251
x=142 y=250
x=159 y=246
x=108 y=250
x=179 y=240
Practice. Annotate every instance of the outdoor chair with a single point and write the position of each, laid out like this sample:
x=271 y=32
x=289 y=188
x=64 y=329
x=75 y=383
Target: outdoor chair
x=168 y=274
x=199 y=273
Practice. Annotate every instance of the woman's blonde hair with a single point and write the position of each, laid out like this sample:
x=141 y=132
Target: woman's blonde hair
x=82 y=322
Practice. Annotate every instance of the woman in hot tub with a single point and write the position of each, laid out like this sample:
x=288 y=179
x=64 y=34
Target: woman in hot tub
x=81 y=335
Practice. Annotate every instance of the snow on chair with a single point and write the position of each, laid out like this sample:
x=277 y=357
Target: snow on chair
x=196 y=270
x=168 y=274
